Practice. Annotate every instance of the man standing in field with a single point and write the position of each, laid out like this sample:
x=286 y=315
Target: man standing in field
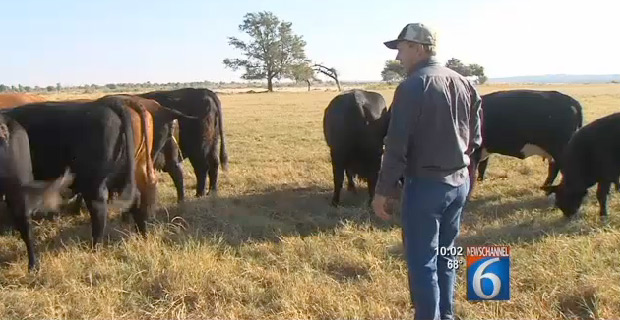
x=434 y=127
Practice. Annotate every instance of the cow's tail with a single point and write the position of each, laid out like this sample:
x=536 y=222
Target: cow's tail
x=578 y=109
x=128 y=194
x=220 y=125
x=150 y=168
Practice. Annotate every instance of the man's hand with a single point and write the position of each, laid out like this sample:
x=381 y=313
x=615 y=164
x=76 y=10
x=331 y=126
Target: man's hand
x=379 y=204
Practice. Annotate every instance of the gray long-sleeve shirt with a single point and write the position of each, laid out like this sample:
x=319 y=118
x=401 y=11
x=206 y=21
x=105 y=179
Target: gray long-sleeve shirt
x=434 y=127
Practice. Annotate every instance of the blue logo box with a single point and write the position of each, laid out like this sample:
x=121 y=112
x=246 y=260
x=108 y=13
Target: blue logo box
x=488 y=273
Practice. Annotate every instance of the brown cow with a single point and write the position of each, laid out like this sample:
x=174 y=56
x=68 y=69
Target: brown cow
x=17 y=99
x=146 y=181
x=160 y=118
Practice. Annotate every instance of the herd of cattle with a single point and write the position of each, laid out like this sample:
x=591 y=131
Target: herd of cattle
x=517 y=123
x=98 y=148
x=105 y=151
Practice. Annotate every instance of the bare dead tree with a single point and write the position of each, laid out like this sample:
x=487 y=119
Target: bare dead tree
x=330 y=72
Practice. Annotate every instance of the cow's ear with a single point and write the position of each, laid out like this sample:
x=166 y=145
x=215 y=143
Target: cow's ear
x=549 y=189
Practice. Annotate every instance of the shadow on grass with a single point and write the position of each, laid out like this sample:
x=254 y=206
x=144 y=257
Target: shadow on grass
x=265 y=216
x=280 y=211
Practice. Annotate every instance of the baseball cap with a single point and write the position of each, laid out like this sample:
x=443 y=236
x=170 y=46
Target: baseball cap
x=415 y=32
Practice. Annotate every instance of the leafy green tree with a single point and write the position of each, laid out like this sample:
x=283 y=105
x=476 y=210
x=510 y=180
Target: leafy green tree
x=272 y=50
x=458 y=66
x=393 y=71
x=302 y=72
x=473 y=69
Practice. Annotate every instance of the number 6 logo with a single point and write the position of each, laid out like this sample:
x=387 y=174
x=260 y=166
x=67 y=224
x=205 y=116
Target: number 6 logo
x=478 y=276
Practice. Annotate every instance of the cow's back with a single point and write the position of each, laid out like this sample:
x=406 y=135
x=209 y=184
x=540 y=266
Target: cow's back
x=516 y=117
x=355 y=117
x=593 y=153
x=67 y=132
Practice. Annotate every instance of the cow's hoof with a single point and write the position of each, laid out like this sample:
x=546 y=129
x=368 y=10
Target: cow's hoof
x=125 y=217
x=34 y=268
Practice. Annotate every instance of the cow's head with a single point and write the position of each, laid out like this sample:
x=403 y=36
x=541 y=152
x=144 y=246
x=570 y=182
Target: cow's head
x=47 y=195
x=566 y=199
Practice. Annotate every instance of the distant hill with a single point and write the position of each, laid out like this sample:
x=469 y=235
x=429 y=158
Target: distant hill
x=560 y=78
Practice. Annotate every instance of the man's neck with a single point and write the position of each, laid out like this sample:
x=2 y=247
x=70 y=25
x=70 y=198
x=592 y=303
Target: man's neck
x=421 y=63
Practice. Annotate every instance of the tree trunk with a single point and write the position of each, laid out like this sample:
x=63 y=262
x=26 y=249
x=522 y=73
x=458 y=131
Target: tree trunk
x=269 y=84
x=308 y=81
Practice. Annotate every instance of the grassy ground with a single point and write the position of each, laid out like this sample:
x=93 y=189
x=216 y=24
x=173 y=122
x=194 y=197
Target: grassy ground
x=270 y=246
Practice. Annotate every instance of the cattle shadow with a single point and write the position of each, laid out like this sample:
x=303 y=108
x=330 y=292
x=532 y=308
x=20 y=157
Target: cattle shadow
x=498 y=207
x=269 y=215
x=277 y=212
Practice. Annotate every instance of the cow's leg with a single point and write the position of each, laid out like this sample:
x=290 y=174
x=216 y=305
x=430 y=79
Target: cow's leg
x=140 y=212
x=602 y=191
x=173 y=167
x=176 y=173
x=214 y=162
x=350 y=181
x=97 y=204
x=482 y=167
x=201 y=168
x=554 y=169
x=338 y=172
x=372 y=182
x=19 y=214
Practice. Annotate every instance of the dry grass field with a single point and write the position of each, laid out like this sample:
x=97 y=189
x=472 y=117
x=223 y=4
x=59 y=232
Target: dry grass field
x=270 y=246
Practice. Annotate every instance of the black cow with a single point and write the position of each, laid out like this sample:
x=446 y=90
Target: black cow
x=523 y=123
x=197 y=138
x=23 y=194
x=592 y=156
x=96 y=141
x=354 y=125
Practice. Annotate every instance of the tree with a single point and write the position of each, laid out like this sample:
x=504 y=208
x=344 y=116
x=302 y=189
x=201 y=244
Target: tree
x=478 y=71
x=393 y=71
x=272 y=50
x=302 y=72
x=49 y=88
x=458 y=66
x=3 y=88
x=330 y=72
x=27 y=89
x=467 y=70
x=58 y=86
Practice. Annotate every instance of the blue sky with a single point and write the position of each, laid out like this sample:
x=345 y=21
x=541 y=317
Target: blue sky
x=112 y=41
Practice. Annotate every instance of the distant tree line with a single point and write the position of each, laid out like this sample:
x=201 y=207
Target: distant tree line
x=393 y=71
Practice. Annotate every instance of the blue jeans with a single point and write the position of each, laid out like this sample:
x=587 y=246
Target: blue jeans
x=431 y=216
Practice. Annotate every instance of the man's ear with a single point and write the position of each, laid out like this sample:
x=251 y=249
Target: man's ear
x=549 y=189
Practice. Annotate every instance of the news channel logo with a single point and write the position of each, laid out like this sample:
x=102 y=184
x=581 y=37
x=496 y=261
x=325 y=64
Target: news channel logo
x=488 y=273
